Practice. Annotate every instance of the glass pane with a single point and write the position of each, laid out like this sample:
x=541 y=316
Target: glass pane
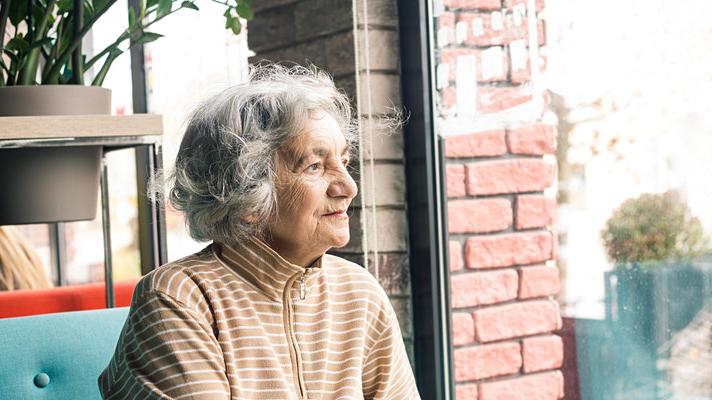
x=183 y=68
x=630 y=92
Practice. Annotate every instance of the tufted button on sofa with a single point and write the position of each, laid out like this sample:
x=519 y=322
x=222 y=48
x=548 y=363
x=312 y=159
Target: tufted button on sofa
x=57 y=356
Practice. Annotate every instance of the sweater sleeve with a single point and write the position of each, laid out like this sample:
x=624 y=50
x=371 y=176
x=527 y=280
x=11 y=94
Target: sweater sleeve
x=387 y=373
x=165 y=351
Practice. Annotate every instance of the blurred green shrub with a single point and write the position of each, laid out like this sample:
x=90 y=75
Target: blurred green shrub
x=653 y=227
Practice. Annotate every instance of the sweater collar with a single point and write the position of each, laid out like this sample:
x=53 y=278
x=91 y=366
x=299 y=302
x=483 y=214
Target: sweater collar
x=262 y=267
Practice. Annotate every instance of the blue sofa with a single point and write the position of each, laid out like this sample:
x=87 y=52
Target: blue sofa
x=57 y=356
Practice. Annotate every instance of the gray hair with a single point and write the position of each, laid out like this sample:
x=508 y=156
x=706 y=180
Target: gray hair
x=224 y=175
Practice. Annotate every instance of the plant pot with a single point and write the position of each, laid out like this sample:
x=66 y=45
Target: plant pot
x=50 y=184
x=19 y=101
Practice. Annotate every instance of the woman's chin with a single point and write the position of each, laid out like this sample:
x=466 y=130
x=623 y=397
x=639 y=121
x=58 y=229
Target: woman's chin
x=340 y=241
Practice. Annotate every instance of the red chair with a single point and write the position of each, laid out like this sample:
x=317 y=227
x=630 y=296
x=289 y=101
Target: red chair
x=20 y=303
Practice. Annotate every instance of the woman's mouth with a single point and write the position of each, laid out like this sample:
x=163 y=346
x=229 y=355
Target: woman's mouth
x=337 y=214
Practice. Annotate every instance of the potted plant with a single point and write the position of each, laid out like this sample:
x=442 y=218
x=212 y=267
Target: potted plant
x=44 y=71
x=657 y=285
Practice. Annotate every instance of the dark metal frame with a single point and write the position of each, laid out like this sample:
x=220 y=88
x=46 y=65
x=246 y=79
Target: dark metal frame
x=152 y=237
x=426 y=205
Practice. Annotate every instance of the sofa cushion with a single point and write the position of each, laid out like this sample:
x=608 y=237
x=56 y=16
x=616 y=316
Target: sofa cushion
x=20 y=303
x=57 y=356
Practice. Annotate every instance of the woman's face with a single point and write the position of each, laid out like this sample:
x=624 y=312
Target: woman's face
x=314 y=190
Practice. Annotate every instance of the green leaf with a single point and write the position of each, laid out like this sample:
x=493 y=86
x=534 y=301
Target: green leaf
x=37 y=14
x=88 y=9
x=151 y=3
x=99 y=4
x=245 y=11
x=235 y=25
x=191 y=5
x=64 y=5
x=45 y=41
x=164 y=8
x=19 y=44
x=18 y=12
x=226 y=14
x=148 y=37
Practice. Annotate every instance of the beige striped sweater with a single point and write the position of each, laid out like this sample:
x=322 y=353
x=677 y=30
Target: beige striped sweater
x=241 y=322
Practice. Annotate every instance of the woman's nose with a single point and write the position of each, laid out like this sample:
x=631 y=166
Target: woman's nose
x=342 y=185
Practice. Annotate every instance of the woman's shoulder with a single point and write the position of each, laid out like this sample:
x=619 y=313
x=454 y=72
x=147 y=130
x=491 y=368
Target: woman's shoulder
x=178 y=279
x=353 y=275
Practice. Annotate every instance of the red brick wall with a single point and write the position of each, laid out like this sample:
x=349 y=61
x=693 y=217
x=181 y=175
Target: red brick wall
x=502 y=243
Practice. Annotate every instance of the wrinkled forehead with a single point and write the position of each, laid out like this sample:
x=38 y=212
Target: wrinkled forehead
x=320 y=134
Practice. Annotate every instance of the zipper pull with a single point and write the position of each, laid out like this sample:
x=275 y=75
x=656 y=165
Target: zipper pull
x=303 y=286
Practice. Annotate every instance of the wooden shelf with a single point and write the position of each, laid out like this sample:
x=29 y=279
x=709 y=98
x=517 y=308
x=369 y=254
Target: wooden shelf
x=77 y=126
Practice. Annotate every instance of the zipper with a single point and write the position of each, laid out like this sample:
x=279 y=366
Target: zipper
x=303 y=285
x=288 y=319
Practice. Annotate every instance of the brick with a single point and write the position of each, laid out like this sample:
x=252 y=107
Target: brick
x=455 y=255
x=466 y=391
x=541 y=353
x=321 y=17
x=450 y=56
x=477 y=144
x=348 y=85
x=446 y=19
x=265 y=5
x=478 y=216
x=538 y=281
x=496 y=99
x=313 y=52
x=520 y=56
x=445 y=29
x=509 y=176
x=522 y=74
x=535 y=211
x=393 y=272
x=402 y=309
x=505 y=250
x=477 y=288
x=546 y=386
x=455 y=177
x=383 y=45
x=486 y=361
x=385 y=184
x=463 y=328
x=391 y=233
x=382 y=138
x=538 y=5
x=489 y=34
x=541 y=32
x=515 y=320
x=273 y=28
x=339 y=53
x=448 y=98
x=385 y=92
x=380 y=13
x=474 y=4
x=519 y=76
x=536 y=139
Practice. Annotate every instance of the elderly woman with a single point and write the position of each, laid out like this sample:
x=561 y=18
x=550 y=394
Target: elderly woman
x=263 y=312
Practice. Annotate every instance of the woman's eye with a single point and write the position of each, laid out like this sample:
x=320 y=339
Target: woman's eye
x=314 y=167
